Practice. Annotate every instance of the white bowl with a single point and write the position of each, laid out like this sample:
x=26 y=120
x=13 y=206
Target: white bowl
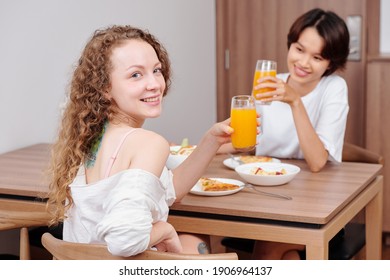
x=174 y=159
x=244 y=171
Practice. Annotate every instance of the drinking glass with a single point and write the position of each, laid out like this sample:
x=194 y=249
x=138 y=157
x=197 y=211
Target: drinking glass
x=244 y=122
x=263 y=68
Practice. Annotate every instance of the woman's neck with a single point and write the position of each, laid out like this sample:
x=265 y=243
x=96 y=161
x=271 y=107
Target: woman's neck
x=125 y=120
x=302 y=88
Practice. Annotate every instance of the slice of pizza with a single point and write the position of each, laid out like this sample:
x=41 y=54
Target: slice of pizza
x=212 y=185
x=250 y=159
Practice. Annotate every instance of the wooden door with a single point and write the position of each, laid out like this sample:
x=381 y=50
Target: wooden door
x=378 y=123
x=253 y=29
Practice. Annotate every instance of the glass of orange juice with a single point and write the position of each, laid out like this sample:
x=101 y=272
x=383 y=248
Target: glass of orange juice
x=263 y=68
x=243 y=119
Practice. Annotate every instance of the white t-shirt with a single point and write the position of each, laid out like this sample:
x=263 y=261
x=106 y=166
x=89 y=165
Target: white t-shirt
x=119 y=210
x=327 y=107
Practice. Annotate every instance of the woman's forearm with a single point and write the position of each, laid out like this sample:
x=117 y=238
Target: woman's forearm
x=188 y=173
x=312 y=147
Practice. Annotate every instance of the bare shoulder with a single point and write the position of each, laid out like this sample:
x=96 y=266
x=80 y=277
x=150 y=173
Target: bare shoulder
x=150 y=140
x=149 y=151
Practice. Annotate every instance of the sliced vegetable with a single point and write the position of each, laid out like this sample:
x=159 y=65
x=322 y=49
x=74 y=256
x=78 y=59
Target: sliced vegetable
x=185 y=142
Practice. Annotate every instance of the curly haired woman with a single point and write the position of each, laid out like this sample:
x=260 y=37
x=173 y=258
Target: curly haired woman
x=110 y=184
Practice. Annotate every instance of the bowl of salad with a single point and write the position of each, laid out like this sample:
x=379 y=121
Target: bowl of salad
x=267 y=173
x=178 y=154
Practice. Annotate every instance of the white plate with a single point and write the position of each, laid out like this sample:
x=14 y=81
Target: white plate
x=244 y=170
x=197 y=189
x=229 y=162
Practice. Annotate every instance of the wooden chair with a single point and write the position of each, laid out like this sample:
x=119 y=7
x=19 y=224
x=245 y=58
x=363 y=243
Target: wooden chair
x=63 y=250
x=354 y=153
x=351 y=239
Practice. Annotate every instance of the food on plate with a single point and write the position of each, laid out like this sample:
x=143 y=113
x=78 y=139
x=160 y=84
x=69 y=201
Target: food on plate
x=250 y=159
x=212 y=185
x=185 y=142
x=184 y=150
x=260 y=171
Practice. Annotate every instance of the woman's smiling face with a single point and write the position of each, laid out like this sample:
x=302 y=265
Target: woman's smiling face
x=304 y=60
x=137 y=83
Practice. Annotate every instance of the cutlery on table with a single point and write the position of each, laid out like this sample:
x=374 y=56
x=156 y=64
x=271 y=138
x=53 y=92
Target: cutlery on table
x=249 y=186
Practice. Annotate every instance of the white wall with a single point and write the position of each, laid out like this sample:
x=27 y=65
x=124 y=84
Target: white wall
x=384 y=27
x=42 y=39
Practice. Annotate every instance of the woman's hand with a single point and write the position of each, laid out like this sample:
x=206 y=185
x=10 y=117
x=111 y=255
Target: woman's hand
x=227 y=147
x=221 y=132
x=172 y=245
x=282 y=91
x=164 y=238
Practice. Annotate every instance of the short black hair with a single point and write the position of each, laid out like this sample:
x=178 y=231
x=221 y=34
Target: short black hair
x=332 y=29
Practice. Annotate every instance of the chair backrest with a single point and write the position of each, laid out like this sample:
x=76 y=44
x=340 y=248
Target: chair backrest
x=356 y=153
x=63 y=250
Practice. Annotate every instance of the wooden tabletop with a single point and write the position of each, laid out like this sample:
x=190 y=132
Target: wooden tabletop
x=22 y=171
x=317 y=197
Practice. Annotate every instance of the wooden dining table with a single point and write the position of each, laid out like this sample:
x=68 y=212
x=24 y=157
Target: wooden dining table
x=322 y=203
x=23 y=188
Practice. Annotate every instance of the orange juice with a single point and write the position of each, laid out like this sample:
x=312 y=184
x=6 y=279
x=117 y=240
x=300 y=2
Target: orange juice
x=244 y=123
x=259 y=74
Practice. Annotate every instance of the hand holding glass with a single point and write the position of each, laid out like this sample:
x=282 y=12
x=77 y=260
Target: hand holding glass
x=263 y=68
x=244 y=122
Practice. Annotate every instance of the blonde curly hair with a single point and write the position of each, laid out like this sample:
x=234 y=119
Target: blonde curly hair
x=88 y=110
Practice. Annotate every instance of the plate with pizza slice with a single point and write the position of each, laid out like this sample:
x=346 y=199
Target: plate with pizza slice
x=217 y=186
x=233 y=163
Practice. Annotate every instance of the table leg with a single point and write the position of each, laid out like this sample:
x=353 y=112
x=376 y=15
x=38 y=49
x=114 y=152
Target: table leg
x=24 y=244
x=374 y=213
x=314 y=252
